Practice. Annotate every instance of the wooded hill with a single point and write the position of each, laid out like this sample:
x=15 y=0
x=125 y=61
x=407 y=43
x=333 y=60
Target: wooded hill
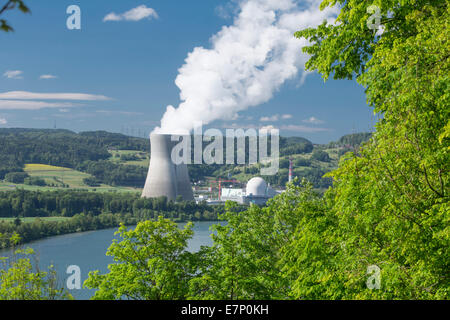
x=92 y=153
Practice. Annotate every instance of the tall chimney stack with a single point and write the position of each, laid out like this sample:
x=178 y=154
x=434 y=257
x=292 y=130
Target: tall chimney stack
x=291 y=174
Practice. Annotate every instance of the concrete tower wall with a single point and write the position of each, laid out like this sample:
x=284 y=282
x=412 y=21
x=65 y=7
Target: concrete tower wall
x=161 y=172
x=184 y=187
x=164 y=178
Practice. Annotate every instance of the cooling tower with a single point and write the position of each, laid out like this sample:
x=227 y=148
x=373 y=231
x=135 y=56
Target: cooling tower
x=164 y=178
x=184 y=187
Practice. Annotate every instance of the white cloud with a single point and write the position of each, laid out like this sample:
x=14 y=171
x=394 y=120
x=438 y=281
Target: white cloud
x=275 y=117
x=13 y=74
x=23 y=100
x=112 y=17
x=135 y=14
x=33 y=105
x=226 y=11
x=235 y=125
x=248 y=61
x=235 y=116
x=313 y=120
x=3 y=121
x=47 y=76
x=301 y=128
x=288 y=127
x=24 y=95
x=267 y=128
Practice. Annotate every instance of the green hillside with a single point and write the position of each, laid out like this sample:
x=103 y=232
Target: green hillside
x=102 y=160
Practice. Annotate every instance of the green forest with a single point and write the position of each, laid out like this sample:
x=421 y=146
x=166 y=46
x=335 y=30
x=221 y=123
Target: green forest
x=99 y=155
x=379 y=231
x=87 y=152
x=88 y=211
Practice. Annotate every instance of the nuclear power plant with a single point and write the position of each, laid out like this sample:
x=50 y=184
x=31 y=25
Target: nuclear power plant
x=164 y=178
x=257 y=191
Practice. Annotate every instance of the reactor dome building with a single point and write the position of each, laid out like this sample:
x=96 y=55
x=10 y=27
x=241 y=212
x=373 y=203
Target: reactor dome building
x=257 y=191
x=256 y=187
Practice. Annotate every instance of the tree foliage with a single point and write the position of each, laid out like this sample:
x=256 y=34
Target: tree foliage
x=16 y=177
x=240 y=264
x=354 y=139
x=392 y=197
x=10 y=5
x=90 y=211
x=388 y=206
x=88 y=152
x=21 y=279
x=321 y=155
x=65 y=148
x=151 y=263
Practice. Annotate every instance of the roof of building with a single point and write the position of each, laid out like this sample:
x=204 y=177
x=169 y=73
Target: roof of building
x=256 y=187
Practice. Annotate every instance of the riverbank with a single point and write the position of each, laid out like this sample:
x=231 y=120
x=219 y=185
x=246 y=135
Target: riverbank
x=41 y=228
x=87 y=250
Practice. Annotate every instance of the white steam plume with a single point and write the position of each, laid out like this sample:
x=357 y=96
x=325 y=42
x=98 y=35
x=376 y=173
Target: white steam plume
x=247 y=62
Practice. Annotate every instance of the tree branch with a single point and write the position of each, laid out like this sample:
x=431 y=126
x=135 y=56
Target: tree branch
x=428 y=182
x=8 y=6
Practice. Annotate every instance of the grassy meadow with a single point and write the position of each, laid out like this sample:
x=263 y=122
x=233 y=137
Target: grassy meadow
x=142 y=159
x=59 y=178
x=32 y=219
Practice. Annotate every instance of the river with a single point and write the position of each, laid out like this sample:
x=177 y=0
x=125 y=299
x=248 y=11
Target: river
x=87 y=250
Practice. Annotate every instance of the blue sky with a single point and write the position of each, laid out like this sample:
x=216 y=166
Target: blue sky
x=126 y=71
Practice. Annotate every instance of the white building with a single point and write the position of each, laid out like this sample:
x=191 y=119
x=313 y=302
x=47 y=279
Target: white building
x=257 y=191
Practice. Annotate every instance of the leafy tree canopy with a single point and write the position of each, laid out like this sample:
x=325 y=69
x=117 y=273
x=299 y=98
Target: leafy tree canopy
x=151 y=263
x=392 y=197
x=21 y=280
